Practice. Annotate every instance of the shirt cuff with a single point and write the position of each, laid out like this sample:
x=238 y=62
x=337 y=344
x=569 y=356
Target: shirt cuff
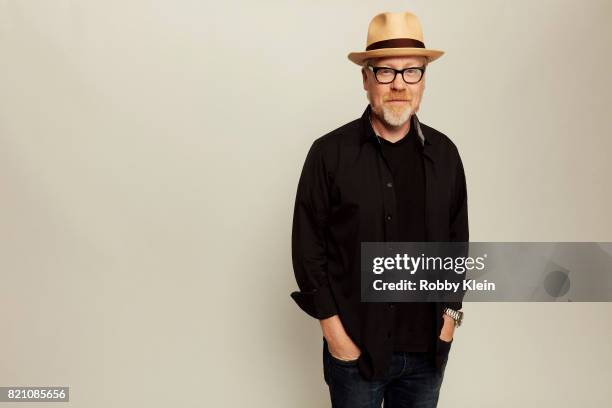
x=454 y=305
x=318 y=303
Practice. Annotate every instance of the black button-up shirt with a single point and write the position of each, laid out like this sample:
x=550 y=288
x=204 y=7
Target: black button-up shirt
x=413 y=329
x=346 y=196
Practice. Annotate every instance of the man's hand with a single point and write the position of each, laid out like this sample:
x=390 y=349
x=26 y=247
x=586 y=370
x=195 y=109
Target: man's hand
x=339 y=343
x=448 y=329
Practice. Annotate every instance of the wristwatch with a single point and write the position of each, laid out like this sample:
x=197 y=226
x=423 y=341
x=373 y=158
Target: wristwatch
x=455 y=314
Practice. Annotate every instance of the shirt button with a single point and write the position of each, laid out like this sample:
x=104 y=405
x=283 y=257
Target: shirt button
x=389 y=217
x=389 y=184
x=391 y=306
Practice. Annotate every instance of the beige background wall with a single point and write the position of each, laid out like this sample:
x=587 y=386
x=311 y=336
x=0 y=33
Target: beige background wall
x=149 y=156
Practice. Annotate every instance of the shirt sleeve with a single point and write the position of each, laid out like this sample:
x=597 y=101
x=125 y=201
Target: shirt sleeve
x=308 y=238
x=459 y=230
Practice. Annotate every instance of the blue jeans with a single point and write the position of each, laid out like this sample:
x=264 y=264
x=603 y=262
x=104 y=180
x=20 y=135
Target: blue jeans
x=412 y=382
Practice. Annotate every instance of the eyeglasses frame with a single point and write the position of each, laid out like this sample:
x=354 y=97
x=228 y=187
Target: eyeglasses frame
x=397 y=71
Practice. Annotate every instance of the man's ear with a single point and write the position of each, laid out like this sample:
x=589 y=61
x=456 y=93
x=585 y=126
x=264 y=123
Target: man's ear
x=364 y=76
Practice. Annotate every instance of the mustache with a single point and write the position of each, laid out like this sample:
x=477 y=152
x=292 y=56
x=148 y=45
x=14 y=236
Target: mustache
x=403 y=97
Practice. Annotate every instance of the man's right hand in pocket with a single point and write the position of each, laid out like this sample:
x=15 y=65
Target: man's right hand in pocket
x=339 y=343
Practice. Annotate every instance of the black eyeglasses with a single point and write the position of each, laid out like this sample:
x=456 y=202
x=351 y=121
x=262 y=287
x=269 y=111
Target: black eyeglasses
x=386 y=75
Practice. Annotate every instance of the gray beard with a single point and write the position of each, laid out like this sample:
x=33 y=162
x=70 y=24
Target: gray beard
x=394 y=119
x=391 y=118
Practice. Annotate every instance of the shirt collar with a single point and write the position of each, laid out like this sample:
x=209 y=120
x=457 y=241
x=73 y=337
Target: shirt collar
x=368 y=134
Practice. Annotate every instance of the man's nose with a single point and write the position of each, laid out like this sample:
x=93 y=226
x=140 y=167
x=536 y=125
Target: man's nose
x=398 y=83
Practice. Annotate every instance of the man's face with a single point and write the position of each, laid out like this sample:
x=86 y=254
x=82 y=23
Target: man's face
x=394 y=103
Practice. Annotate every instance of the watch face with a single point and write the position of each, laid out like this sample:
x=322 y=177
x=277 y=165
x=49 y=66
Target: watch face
x=456 y=315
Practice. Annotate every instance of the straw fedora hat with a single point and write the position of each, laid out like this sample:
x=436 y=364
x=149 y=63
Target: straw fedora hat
x=394 y=35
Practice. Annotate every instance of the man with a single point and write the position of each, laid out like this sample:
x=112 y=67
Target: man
x=385 y=177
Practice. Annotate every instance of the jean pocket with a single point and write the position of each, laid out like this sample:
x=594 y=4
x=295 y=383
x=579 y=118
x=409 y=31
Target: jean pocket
x=343 y=362
x=444 y=345
x=338 y=361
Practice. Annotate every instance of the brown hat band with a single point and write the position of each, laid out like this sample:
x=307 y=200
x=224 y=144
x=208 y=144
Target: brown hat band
x=396 y=43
